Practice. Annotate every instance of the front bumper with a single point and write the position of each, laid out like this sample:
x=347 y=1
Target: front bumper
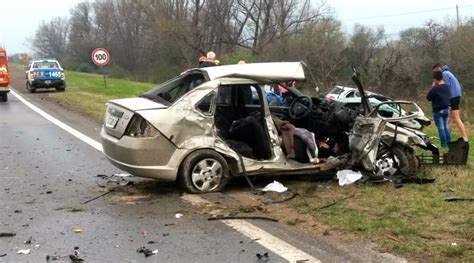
x=154 y=158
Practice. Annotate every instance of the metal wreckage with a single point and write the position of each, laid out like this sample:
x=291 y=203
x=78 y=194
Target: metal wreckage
x=209 y=125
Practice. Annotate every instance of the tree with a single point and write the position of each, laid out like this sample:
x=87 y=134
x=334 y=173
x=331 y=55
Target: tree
x=50 y=38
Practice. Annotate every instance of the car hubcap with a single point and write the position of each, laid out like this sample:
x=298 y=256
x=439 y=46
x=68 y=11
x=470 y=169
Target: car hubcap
x=206 y=175
x=387 y=165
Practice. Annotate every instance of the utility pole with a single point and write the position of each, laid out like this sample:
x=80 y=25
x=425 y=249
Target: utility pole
x=457 y=16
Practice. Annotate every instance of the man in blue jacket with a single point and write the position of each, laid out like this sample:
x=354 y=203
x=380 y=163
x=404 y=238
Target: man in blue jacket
x=455 y=100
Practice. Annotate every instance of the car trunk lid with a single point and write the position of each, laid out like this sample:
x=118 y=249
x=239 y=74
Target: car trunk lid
x=119 y=113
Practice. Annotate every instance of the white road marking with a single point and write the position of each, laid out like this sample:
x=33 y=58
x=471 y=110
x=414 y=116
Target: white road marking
x=95 y=144
x=272 y=243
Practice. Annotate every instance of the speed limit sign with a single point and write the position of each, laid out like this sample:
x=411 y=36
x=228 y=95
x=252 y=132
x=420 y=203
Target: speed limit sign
x=100 y=56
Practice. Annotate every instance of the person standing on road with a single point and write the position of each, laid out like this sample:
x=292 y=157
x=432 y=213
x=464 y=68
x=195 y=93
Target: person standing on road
x=210 y=60
x=455 y=100
x=439 y=96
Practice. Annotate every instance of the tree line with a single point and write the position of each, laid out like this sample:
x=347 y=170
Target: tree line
x=153 y=40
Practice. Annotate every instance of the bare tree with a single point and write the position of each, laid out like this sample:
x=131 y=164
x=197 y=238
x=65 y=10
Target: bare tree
x=50 y=39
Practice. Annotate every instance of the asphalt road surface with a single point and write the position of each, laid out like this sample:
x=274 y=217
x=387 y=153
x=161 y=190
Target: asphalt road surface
x=47 y=176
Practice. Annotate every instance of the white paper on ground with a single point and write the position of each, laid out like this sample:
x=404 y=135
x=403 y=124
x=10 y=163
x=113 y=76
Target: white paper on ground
x=275 y=187
x=24 y=251
x=347 y=177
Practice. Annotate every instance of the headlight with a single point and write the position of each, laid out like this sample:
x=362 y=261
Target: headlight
x=139 y=127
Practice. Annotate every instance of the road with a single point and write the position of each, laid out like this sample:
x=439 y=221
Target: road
x=47 y=175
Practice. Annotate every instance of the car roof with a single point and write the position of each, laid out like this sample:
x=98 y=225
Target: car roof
x=44 y=60
x=267 y=72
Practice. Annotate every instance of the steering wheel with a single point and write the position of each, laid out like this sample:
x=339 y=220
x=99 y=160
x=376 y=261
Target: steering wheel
x=300 y=107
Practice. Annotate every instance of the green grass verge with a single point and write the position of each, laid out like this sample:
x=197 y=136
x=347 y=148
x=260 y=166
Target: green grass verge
x=87 y=93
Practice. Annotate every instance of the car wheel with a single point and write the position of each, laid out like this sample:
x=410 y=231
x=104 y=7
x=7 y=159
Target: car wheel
x=396 y=160
x=4 y=97
x=30 y=88
x=203 y=171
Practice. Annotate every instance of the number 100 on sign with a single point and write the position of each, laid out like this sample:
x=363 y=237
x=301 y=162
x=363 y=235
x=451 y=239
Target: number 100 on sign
x=100 y=57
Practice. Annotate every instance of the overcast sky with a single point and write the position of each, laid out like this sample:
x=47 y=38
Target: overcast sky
x=19 y=18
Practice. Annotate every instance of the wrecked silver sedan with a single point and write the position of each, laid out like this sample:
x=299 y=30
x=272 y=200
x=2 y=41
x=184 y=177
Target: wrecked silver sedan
x=211 y=124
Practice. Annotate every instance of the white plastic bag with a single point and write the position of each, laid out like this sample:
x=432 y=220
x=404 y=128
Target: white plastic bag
x=347 y=177
x=275 y=187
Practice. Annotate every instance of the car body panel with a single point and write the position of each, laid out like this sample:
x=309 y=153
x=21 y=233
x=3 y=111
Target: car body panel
x=264 y=72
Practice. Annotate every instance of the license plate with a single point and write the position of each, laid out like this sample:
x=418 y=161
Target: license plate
x=47 y=81
x=111 y=122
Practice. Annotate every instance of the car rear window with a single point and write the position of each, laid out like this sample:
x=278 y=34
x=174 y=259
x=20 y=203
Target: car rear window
x=336 y=90
x=45 y=64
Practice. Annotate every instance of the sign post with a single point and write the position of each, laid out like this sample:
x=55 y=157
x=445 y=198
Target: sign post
x=101 y=57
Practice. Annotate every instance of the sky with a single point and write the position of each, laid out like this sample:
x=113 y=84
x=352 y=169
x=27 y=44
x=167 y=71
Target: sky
x=20 y=18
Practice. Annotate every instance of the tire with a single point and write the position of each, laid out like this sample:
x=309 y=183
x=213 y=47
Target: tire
x=396 y=160
x=30 y=88
x=196 y=174
x=61 y=88
x=4 y=97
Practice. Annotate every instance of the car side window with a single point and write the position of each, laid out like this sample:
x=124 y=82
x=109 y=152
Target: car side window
x=176 y=88
x=205 y=104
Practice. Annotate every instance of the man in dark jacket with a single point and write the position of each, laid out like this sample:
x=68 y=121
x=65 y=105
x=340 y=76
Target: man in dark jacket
x=439 y=96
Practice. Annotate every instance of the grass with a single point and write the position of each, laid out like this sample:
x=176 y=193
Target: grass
x=87 y=93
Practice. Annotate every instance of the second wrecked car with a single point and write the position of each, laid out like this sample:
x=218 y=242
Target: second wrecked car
x=187 y=129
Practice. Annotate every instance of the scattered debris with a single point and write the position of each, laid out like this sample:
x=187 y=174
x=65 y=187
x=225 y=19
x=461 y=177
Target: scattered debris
x=3 y=255
x=147 y=252
x=77 y=230
x=75 y=258
x=457 y=198
x=275 y=187
x=178 y=215
x=115 y=179
x=454 y=244
x=23 y=251
x=241 y=217
x=7 y=234
x=286 y=198
x=97 y=197
x=151 y=242
x=52 y=258
x=335 y=202
x=262 y=258
x=28 y=241
x=347 y=177
x=17 y=211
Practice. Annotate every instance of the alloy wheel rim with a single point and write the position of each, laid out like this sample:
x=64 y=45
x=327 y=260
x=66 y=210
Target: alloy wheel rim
x=206 y=174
